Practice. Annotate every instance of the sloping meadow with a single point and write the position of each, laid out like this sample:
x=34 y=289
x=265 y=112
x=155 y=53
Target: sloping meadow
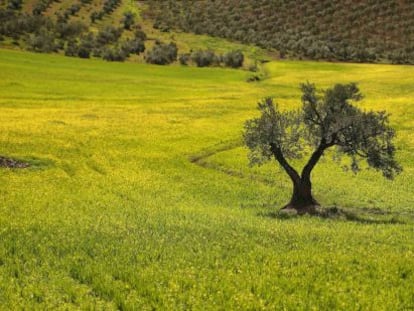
x=139 y=195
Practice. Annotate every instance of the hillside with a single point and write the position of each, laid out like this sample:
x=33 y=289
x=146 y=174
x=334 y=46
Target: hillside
x=361 y=31
x=116 y=30
x=111 y=29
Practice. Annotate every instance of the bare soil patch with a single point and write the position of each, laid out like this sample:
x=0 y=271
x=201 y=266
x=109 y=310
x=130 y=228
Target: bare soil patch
x=12 y=163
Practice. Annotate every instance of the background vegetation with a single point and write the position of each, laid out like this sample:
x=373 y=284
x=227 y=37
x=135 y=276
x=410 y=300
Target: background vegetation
x=72 y=28
x=357 y=31
x=139 y=194
x=368 y=31
x=112 y=30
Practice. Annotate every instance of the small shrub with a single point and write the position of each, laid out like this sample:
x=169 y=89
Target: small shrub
x=184 y=59
x=253 y=78
x=233 y=59
x=128 y=20
x=84 y=52
x=60 y=44
x=43 y=42
x=96 y=16
x=204 y=58
x=161 y=26
x=88 y=40
x=70 y=30
x=140 y=34
x=108 y=34
x=86 y=46
x=162 y=54
x=97 y=52
x=15 y=4
x=114 y=55
x=135 y=46
x=253 y=68
x=110 y=5
x=73 y=9
x=41 y=6
x=71 y=48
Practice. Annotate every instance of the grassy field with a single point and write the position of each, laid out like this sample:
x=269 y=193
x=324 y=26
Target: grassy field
x=139 y=196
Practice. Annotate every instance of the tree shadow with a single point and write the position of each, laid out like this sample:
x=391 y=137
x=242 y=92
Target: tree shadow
x=363 y=216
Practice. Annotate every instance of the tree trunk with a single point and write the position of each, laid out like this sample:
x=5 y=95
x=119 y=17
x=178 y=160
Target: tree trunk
x=302 y=200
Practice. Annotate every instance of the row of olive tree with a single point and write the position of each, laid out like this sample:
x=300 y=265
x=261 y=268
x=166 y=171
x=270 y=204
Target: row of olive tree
x=164 y=54
x=40 y=33
x=107 y=44
x=205 y=58
x=108 y=7
x=321 y=29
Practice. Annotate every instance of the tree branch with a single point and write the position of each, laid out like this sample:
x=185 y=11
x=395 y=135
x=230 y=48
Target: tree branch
x=313 y=106
x=315 y=157
x=277 y=153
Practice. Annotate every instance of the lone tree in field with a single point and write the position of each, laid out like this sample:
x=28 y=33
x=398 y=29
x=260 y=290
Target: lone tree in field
x=326 y=120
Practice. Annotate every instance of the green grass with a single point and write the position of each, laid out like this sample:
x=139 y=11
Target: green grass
x=140 y=196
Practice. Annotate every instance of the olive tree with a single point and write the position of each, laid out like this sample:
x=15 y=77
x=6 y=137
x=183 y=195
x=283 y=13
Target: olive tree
x=327 y=119
x=233 y=59
x=128 y=20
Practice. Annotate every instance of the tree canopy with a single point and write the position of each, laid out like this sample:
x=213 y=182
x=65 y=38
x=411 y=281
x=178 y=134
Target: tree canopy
x=327 y=119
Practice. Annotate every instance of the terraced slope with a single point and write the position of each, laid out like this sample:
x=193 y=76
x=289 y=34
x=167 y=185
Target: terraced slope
x=94 y=28
x=362 y=31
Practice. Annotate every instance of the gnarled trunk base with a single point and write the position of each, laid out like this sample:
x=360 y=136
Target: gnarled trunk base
x=302 y=200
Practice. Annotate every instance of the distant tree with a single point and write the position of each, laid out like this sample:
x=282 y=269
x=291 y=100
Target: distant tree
x=69 y=30
x=84 y=52
x=108 y=34
x=110 y=5
x=399 y=57
x=204 y=58
x=140 y=34
x=41 y=6
x=134 y=46
x=95 y=16
x=71 y=48
x=325 y=121
x=97 y=51
x=73 y=9
x=233 y=59
x=128 y=20
x=162 y=54
x=42 y=41
x=161 y=26
x=114 y=55
x=316 y=29
x=184 y=58
x=86 y=46
x=88 y=40
x=15 y=4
